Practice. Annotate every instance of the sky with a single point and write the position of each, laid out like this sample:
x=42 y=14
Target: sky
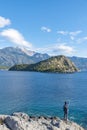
x=47 y=26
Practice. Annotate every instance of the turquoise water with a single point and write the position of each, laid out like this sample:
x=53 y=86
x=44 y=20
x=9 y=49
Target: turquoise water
x=44 y=94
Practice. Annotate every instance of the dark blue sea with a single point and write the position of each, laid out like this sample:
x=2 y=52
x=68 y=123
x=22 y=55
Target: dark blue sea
x=44 y=94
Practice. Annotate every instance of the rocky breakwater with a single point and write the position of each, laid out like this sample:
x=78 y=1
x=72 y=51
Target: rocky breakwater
x=21 y=121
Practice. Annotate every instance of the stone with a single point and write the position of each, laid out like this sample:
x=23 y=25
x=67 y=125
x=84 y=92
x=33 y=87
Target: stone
x=21 y=121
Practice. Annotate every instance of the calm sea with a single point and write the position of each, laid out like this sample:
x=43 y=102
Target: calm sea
x=44 y=94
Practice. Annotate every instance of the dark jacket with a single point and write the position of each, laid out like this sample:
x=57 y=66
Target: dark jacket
x=65 y=108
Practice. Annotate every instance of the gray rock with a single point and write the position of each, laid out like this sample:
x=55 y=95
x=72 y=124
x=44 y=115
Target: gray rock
x=21 y=121
x=21 y=115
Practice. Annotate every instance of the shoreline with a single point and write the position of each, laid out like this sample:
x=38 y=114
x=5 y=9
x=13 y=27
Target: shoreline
x=22 y=121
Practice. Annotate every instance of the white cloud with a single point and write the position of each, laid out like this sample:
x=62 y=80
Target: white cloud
x=66 y=49
x=62 y=32
x=15 y=37
x=72 y=35
x=57 y=49
x=72 y=38
x=69 y=33
x=80 y=40
x=85 y=38
x=4 y=22
x=75 y=33
x=45 y=29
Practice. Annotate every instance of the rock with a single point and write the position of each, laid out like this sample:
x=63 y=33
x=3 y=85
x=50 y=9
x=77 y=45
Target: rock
x=21 y=121
x=16 y=123
x=21 y=115
x=55 y=123
x=4 y=127
x=2 y=123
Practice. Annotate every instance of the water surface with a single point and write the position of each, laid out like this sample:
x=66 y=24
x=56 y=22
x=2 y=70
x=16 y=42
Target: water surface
x=44 y=94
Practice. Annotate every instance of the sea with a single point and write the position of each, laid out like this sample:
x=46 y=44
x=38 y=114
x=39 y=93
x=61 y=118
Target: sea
x=44 y=94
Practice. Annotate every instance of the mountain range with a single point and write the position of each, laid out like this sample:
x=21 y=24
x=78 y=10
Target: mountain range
x=80 y=62
x=10 y=56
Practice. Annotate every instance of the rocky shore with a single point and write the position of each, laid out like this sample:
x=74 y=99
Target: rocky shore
x=21 y=121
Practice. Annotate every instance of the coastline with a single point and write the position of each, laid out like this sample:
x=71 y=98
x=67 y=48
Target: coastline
x=22 y=121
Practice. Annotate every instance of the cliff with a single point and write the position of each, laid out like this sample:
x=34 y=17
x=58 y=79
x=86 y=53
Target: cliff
x=21 y=121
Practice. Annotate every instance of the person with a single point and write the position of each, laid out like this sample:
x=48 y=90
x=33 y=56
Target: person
x=65 y=109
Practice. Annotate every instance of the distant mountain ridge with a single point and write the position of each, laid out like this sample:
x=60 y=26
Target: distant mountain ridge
x=59 y=64
x=80 y=62
x=10 y=56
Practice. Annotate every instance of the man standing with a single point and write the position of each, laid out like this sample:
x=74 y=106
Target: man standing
x=65 y=109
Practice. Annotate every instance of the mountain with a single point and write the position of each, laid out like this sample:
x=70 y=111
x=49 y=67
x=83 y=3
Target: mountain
x=80 y=62
x=10 y=56
x=26 y=51
x=54 y=64
x=39 y=57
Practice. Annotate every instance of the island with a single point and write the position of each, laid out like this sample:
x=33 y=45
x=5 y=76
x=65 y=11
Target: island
x=60 y=64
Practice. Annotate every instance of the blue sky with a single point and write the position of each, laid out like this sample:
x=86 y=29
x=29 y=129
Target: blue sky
x=48 y=26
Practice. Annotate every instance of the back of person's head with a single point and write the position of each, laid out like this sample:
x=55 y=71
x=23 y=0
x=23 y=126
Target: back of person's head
x=65 y=102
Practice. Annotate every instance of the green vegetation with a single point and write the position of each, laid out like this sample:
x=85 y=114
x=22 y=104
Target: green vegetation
x=1 y=121
x=20 y=67
x=59 y=64
x=4 y=67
